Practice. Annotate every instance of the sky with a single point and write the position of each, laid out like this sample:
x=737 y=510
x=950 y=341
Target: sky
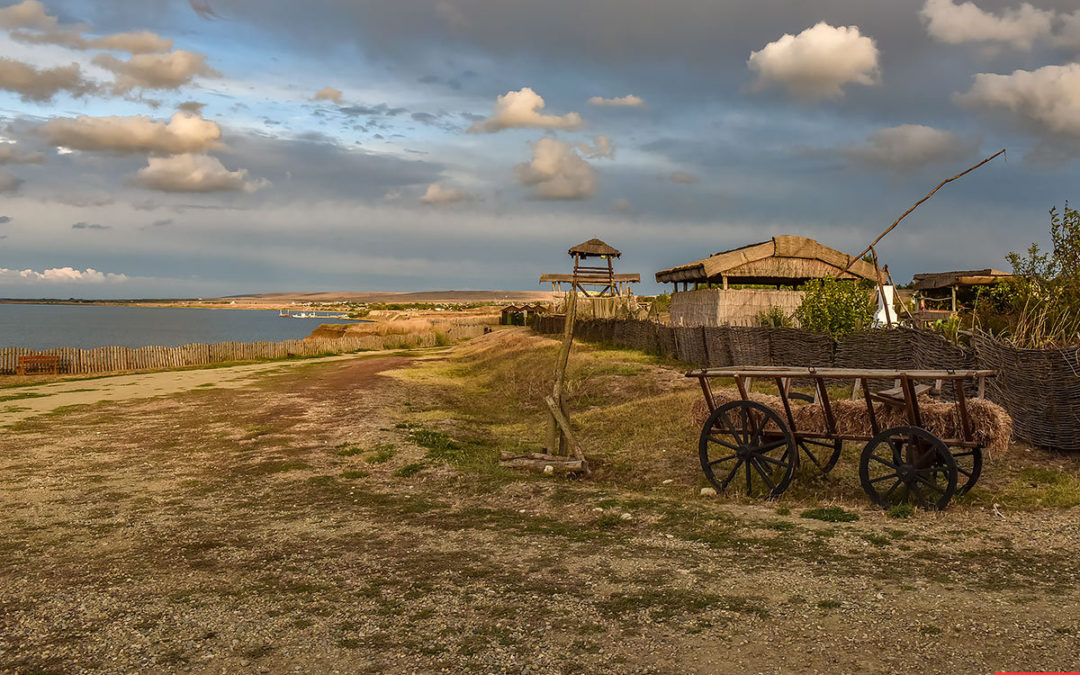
x=200 y=148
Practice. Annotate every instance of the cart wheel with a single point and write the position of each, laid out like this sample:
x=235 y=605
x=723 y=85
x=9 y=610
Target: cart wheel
x=821 y=453
x=969 y=463
x=908 y=464
x=799 y=396
x=746 y=443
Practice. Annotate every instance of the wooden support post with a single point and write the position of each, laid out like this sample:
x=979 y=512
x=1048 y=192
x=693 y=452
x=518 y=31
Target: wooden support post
x=556 y=442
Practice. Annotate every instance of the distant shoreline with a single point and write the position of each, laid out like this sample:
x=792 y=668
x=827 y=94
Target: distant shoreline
x=266 y=301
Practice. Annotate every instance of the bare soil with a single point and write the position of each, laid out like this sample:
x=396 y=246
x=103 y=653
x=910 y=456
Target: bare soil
x=327 y=517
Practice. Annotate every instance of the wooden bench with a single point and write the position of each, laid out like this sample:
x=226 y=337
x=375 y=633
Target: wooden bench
x=41 y=362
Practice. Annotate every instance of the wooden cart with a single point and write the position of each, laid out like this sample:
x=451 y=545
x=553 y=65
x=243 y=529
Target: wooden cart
x=745 y=442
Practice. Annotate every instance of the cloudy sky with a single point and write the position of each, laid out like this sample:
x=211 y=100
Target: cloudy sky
x=210 y=147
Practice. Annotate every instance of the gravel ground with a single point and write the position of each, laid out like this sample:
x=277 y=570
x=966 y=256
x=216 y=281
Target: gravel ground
x=290 y=525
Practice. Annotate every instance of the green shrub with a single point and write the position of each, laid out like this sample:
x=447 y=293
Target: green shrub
x=1045 y=296
x=836 y=307
x=774 y=318
x=901 y=511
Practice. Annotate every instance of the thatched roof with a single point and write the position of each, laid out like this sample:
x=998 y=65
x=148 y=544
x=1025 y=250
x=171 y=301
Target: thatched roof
x=784 y=259
x=594 y=248
x=927 y=282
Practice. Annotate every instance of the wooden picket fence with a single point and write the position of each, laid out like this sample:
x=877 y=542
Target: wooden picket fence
x=75 y=361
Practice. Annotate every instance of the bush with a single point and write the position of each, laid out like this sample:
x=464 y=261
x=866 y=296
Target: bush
x=774 y=318
x=1046 y=294
x=836 y=307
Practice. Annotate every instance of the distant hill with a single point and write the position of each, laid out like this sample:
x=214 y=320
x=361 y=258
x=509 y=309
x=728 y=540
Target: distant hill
x=402 y=298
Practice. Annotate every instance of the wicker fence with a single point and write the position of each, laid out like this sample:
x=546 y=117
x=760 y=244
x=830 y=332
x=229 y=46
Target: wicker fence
x=1039 y=388
x=117 y=359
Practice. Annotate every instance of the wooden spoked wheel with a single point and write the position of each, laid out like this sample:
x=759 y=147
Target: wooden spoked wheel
x=969 y=463
x=908 y=464
x=821 y=453
x=747 y=448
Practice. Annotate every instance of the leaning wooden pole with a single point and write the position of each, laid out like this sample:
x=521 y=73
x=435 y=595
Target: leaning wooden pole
x=917 y=205
x=556 y=440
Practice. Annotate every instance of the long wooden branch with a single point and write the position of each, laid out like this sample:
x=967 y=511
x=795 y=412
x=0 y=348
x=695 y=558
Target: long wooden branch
x=917 y=204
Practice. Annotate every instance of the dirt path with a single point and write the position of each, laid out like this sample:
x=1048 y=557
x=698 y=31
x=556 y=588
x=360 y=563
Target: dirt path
x=21 y=403
x=297 y=523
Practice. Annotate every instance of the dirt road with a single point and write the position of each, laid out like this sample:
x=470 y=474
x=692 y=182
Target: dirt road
x=309 y=518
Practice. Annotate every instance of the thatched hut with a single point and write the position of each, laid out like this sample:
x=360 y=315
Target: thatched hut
x=941 y=294
x=735 y=287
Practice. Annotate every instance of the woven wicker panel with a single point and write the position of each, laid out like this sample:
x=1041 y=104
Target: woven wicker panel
x=690 y=345
x=794 y=347
x=875 y=349
x=1039 y=387
x=718 y=346
x=750 y=346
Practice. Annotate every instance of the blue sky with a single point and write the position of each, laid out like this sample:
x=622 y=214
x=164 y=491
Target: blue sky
x=825 y=118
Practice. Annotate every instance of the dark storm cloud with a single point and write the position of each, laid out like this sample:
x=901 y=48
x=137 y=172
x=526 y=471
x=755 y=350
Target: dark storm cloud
x=315 y=166
x=4 y=220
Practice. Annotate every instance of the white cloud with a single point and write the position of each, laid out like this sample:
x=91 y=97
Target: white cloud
x=557 y=172
x=42 y=85
x=683 y=177
x=959 y=23
x=909 y=146
x=628 y=101
x=438 y=193
x=138 y=42
x=330 y=94
x=522 y=110
x=27 y=14
x=184 y=133
x=155 y=71
x=602 y=147
x=622 y=206
x=817 y=63
x=60 y=275
x=1046 y=101
x=11 y=154
x=194 y=173
x=9 y=184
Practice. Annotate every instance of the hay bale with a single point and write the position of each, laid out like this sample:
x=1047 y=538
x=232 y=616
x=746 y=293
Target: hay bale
x=992 y=426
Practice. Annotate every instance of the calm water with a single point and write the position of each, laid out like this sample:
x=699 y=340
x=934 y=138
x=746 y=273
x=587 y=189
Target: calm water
x=88 y=326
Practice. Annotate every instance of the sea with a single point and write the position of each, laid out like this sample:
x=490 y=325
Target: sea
x=89 y=326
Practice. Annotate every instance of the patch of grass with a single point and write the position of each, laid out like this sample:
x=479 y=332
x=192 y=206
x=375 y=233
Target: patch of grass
x=609 y=521
x=783 y=511
x=878 y=540
x=439 y=445
x=203 y=386
x=256 y=430
x=381 y=453
x=930 y=629
x=666 y=603
x=271 y=467
x=828 y=604
x=830 y=514
x=353 y=474
x=21 y=397
x=901 y=511
x=350 y=449
x=410 y=470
